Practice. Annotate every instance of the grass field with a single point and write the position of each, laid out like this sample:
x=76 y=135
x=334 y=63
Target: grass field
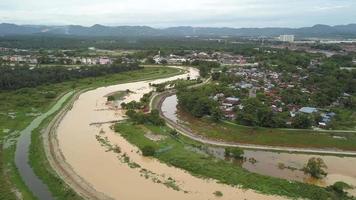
x=19 y=107
x=202 y=165
x=228 y=131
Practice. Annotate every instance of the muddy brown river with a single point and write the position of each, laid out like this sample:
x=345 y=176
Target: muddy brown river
x=102 y=169
x=268 y=163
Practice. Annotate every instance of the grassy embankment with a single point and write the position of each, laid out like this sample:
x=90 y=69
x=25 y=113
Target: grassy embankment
x=16 y=111
x=231 y=132
x=206 y=166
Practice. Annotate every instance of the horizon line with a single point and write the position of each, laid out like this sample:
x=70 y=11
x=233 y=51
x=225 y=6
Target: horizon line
x=165 y=27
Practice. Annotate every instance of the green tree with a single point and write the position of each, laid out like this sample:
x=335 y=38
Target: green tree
x=111 y=98
x=254 y=113
x=315 y=168
x=235 y=152
x=148 y=150
x=302 y=121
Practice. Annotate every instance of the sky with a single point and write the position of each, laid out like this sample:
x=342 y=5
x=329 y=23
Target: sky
x=167 y=13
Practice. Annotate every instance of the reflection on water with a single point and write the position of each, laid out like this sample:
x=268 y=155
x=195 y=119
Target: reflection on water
x=169 y=108
x=280 y=165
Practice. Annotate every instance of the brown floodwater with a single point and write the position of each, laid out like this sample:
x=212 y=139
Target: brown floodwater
x=269 y=163
x=103 y=170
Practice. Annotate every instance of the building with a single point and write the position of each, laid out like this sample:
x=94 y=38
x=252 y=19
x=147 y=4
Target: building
x=232 y=100
x=286 y=38
x=308 y=110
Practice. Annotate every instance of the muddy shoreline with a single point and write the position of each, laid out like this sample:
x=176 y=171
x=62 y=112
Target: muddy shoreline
x=58 y=162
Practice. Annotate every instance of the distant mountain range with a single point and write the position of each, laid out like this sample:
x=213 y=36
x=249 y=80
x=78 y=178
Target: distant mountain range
x=339 y=31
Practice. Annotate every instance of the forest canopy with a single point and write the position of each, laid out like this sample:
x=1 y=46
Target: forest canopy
x=23 y=76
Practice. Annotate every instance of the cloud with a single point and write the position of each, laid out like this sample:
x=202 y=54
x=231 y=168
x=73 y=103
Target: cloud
x=161 y=13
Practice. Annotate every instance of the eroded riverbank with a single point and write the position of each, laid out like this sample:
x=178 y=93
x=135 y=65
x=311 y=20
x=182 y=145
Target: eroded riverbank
x=103 y=170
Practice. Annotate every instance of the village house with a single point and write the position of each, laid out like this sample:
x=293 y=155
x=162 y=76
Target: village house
x=105 y=61
x=308 y=110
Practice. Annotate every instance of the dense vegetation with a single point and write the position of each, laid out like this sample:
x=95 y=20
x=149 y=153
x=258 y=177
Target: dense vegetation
x=22 y=76
x=204 y=67
x=152 y=43
x=146 y=118
x=197 y=102
x=329 y=86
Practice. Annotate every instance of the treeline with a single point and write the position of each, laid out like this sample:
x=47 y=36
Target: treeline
x=142 y=43
x=205 y=66
x=23 y=76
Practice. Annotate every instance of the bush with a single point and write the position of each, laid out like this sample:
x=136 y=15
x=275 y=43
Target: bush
x=236 y=153
x=315 y=167
x=173 y=132
x=142 y=118
x=218 y=193
x=111 y=98
x=339 y=188
x=148 y=151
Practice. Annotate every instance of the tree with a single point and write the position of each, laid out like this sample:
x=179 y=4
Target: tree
x=215 y=76
x=164 y=62
x=236 y=153
x=216 y=114
x=150 y=61
x=148 y=150
x=111 y=98
x=315 y=168
x=254 y=113
x=174 y=132
x=302 y=121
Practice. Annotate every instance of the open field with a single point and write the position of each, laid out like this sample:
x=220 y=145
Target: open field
x=18 y=108
x=184 y=153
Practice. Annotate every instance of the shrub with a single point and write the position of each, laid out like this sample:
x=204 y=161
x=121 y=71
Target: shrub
x=339 y=188
x=236 y=153
x=111 y=98
x=315 y=167
x=218 y=193
x=148 y=150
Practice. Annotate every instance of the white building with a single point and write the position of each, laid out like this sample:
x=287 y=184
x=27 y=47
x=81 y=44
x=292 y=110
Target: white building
x=286 y=38
x=105 y=61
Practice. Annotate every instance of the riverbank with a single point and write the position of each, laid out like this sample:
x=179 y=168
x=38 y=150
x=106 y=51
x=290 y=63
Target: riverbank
x=192 y=156
x=273 y=163
x=20 y=107
x=96 y=160
x=232 y=135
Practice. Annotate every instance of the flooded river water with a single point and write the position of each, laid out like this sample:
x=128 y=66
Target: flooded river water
x=280 y=165
x=103 y=170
